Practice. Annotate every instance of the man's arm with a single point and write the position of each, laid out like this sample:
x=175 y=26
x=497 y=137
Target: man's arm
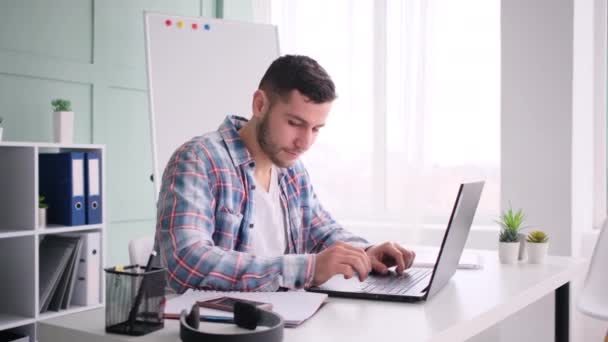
x=185 y=226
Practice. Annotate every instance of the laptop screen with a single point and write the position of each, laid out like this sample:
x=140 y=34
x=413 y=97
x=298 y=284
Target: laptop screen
x=456 y=235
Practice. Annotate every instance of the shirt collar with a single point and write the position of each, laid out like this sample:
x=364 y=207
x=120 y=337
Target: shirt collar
x=229 y=131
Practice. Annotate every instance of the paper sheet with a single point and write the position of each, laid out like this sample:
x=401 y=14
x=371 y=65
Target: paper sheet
x=427 y=256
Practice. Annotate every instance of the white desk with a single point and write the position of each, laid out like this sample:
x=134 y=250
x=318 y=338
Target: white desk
x=471 y=302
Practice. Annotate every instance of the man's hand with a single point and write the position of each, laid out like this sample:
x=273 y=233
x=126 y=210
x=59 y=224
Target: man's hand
x=390 y=254
x=341 y=258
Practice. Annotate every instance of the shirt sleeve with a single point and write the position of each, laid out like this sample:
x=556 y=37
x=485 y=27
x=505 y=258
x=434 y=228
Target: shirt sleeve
x=322 y=230
x=185 y=226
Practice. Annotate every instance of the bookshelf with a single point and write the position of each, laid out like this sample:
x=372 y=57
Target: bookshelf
x=21 y=234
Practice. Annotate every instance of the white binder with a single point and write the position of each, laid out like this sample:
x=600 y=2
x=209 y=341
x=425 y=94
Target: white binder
x=87 y=288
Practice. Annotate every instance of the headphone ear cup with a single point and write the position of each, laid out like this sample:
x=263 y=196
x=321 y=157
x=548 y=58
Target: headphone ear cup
x=194 y=317
x=246 y=315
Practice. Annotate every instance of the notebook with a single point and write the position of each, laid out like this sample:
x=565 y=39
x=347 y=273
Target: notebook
x=294 y=306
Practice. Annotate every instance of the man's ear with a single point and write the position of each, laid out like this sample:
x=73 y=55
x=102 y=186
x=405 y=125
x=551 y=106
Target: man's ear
x=261 y=103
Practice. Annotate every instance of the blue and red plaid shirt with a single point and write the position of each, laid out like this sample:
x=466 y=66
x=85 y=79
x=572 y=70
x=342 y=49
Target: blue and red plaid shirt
x=205 y=214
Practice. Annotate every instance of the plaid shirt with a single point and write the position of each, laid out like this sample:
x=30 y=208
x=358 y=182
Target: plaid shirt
x=205 y=213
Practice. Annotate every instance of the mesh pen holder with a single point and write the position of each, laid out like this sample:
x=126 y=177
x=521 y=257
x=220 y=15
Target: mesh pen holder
x=122 y=288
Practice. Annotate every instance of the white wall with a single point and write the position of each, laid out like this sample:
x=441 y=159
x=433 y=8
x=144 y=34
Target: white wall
x=536 y=128
x=553 y=52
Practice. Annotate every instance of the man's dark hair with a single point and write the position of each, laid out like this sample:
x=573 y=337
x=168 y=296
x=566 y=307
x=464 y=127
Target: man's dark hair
x=302 y=73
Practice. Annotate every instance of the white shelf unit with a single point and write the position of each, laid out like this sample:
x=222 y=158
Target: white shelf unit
x=20 y=234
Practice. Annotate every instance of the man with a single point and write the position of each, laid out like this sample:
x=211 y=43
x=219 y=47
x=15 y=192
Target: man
x=236 y=209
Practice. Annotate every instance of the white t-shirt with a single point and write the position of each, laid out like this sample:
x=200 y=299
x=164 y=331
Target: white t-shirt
x=268 y=232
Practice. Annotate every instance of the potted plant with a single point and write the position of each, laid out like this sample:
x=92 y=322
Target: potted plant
x=509 y=240
x=63 y=121
x=1 y=120
x=538 y=244
x=42 y=208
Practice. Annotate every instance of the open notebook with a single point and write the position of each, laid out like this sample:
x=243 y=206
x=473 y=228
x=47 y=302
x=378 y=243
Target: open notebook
x=294 y=306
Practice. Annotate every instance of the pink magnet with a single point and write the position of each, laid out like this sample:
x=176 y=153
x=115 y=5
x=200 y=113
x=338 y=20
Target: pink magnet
x=194 y=26
x=168 y=22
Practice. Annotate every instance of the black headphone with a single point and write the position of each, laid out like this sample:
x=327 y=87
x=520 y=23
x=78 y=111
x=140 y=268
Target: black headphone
x=245 y=316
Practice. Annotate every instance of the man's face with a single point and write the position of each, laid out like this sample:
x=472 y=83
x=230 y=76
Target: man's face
x=290 y=127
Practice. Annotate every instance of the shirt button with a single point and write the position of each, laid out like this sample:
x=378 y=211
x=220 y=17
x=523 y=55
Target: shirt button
x=251 y=225
x=253 y=187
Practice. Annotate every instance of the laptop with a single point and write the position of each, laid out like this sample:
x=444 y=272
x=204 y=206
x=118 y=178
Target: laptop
x=416 y=284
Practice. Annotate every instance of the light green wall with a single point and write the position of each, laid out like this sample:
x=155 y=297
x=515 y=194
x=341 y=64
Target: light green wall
x=91 y=52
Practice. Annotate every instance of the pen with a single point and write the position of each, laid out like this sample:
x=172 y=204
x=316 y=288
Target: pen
x=205 y=318
x=216 y=319
x=140 y=292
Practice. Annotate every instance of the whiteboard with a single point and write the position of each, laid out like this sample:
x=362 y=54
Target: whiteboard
x=200 y=70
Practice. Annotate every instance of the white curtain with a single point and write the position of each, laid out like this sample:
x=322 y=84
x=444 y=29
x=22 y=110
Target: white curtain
x=418 y=106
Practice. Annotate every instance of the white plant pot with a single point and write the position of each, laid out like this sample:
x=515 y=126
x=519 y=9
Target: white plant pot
x=42 y=217
x=63 y=127
x=523 y=251
x=537 y=252
x=1 y=129
x=508 y=252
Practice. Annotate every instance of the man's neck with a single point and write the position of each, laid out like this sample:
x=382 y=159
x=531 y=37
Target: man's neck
x=263 y=165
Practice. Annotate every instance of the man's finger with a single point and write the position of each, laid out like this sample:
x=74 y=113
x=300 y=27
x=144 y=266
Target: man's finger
x=345 y=270
x=358 y=252
x=396 y=254
x=356 y=263
x=379 y=267
x=409 y=255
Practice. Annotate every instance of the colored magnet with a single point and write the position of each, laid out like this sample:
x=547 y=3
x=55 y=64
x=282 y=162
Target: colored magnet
x=168 y=22
x=207 y=27
x=180 y=24
x=194 y=26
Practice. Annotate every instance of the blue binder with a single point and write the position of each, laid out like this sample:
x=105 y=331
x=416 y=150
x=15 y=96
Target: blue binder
x=61 y=180
x=92 y=188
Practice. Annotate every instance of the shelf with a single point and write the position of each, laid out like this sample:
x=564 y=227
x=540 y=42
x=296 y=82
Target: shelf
x=50 y=145
x=71 y=310
x=20 y=235
x=55 y=229
x=7 y=233
x=18 y=184
x=17 y=288
x=8 y=321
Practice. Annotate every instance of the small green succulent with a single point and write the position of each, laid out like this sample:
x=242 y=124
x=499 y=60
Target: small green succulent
x=61 y=105
x=511 y=222
x=537 y=236
x=41 y=203
x=508 y=235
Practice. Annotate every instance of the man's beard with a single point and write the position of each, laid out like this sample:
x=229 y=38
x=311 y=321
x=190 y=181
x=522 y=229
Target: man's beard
x=270 y=149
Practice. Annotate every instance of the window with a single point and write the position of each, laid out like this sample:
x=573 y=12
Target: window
x=418 y=106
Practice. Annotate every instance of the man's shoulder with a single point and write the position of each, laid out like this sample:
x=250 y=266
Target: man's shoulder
x=209 y=148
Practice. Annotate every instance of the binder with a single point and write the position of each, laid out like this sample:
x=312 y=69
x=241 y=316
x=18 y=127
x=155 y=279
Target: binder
x=87 y=287
x=61 y=177
x=73 y=276
x=93 y=187
x=54 y=256
x=63 y=285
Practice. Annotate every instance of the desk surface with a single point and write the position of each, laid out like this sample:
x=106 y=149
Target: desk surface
x=471 y=302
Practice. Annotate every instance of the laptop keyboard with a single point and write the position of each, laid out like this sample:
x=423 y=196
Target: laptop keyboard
x=395 y=284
